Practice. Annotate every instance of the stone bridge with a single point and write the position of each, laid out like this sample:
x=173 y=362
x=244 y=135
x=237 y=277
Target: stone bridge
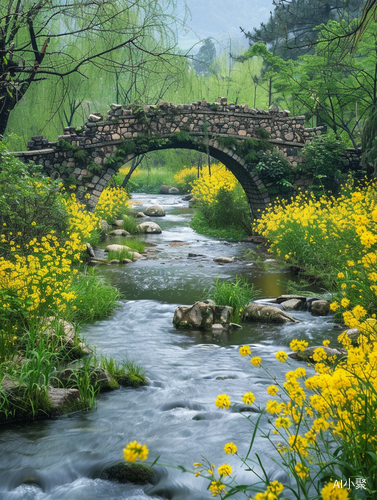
x=89 y=156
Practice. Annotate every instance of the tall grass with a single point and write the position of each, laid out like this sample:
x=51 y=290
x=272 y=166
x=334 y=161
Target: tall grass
x=94 y=298
x=236 y=294
x=120 y=254
x=127 y=373
x=136 y=245
x=129 y=224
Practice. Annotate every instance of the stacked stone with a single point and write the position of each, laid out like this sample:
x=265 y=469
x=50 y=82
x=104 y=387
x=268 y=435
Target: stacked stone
x=38 y=142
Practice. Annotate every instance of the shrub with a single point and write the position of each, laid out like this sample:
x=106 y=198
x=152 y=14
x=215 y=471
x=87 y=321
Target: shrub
x=327 y=236
x=323 y=160
x=136 y=245
x=30 y=205
x=276 y=170
x=222 y=203
x=112 y=204
x=120 y=254
x=185 y=178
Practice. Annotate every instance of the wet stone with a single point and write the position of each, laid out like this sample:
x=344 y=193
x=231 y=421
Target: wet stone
x=293 y=305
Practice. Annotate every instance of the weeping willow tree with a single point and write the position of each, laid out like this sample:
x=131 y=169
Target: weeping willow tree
x=67 y=50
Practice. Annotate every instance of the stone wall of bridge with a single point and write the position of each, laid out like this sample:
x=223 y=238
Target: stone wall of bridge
x=86 y=155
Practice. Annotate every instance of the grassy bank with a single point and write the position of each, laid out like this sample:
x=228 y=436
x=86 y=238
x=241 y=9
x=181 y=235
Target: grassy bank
x=47 y=290
x=222 y=208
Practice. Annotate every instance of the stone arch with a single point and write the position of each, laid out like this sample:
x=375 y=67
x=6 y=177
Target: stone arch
x=89 y=154
x=253 y=186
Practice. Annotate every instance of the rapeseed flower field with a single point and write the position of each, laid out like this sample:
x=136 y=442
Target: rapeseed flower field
x=322 y=422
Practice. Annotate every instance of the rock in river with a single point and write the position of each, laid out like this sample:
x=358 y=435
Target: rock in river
x=119 y=232
x=267 y=314
x=148 y=227
x=117 y=248
x=154 y=211
x=202 y=315
x=224 y=260
x=164 y=189
x=320 y=308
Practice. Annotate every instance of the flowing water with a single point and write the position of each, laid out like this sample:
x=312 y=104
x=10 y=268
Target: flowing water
x=174 y=414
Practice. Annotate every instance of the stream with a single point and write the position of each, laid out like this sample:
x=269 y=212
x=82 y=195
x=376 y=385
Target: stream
x=175 y=414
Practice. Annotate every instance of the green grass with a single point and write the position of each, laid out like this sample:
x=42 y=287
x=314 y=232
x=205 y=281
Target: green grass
x=201 y=225
x=130 y=224
x=120 y=255
x=94 y=298
x=148 y=181
x=237 y=294
x=127 y=373
x=136 y=244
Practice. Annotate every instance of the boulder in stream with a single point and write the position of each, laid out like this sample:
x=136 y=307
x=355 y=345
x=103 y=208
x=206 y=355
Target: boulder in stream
x=154 y=211
x=202 y=315
x=224 y=260
x=149 y=228
x=320 y=307
x=129 y=473
x=165 y=189
x=117 y=248
x=266 y=314
x=64 y=400
x=104 y=226
x=119 y=223
x=119 y=232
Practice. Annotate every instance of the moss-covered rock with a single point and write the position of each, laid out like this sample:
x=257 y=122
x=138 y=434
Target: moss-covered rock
x=132 y=380
x=129 y=473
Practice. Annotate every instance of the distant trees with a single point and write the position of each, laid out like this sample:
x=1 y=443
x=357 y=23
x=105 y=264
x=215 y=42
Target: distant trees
x=338 y=89
x=205 y=57
x=52 y=40
x=291 y=30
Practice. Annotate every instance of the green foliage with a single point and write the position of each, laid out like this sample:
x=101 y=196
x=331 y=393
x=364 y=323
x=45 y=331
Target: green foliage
x=229 y=213
x=274 y=169
x=81 y=155
x=236 y=294
x=200 y=224
x=129 y=224
x=205 y=57
x=134 y=374
x=136 y=244
x=14 y=316
x=291 y=28
x=149 y=180
x=323 y=160
x=228 y=142
x=127 y=373
x=30 y=204
x=182 y=136
x=94 y=298
x=369 y=141
x=67 y=146
x=262 y=133
x=250 y=147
